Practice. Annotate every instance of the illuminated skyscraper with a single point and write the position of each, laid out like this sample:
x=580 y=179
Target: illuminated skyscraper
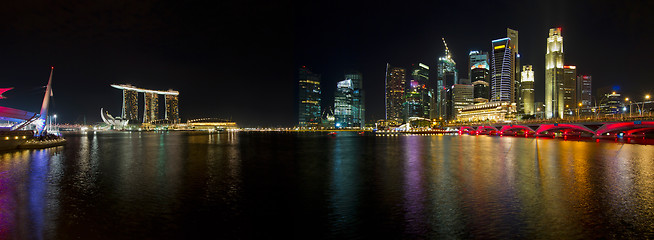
x=584 y=90
x=151 y=112
x=570 y=89
x=502 y=72
x=527 y=84
x=309 y=98
x=413 y=101
x=447 y=75
x=130 y=106
x=151 y=108
x=420 y=74
x=479 y=75
x=172 y=108
x=515 y=59
x=358 y=99
x=554 y=103
x=343 y=104
x=395 y=82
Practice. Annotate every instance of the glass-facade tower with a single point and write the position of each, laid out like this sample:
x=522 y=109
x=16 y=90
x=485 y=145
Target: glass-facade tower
x=479 y=75
x=395 y=84
x=502 y=63
x=309 y=98
x=130 y=106
x=447 y=76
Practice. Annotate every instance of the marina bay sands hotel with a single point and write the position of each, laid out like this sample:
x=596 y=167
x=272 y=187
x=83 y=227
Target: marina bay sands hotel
x=151 y=109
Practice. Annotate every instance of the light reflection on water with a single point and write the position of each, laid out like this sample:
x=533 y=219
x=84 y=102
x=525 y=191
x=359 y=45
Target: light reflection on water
x=174 y=185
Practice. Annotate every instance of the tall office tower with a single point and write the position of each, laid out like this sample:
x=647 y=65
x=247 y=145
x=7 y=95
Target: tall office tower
x=130 y=106
x=309 y=98
x=462 y=95
x=358 y=99
x=479 y=75
x=515 y=76
x=584 y=91
x=554 y=75
x=420 y=74
x=527 y=83
x=413 y=101
x=151 y=112
x=172 y=108
x=447 y=75
x=570 y=89
x=395 y=81
x=502 y=62
x=343 y=104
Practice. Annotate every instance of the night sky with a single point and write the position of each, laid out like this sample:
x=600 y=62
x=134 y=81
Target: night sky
x=238 y=60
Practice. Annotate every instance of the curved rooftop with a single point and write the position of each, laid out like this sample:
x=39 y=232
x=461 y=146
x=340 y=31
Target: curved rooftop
x=133 y=88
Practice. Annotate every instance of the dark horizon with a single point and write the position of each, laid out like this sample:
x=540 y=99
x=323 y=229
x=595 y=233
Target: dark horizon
x=239 y=61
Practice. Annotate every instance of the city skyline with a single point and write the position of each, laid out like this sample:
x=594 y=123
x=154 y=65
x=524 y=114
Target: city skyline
x=214 y=56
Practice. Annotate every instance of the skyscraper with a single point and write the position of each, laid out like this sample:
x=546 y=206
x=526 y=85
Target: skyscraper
x=447 y=75
x=343 y=104
x=151 y=111
x=479 y=75
x=172 y=108
x=569 y=89
x=527 y=84
x=584 y=90
x=309 y=98
x=502 y=72
x=413 y=101
x=420 y=74
x=358 y=99
x=130 y=106
x=395 y=82
x=554 y=103
x=515 y=76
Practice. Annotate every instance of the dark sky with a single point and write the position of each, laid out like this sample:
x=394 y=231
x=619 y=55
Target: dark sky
x=239 y=59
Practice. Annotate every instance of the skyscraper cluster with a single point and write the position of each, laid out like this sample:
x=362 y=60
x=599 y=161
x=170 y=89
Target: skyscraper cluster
x=497 y=88
x=349 y=98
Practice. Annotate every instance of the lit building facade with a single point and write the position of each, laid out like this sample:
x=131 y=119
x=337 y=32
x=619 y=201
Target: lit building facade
x=516 y=75
x=502 y=72
x=413 y=101
x=554 y=101
x=447 y=75
x=491 y=111
x=172 y=108
x=309 y=98
x=584 y=90
x=151 y=110
x=479 y=74
x=527 y=85
x=130 y=106
x=151 y=100
x=420 y=74
x=462 y=96
x=358 y=99
x=570 y=89
x=395 y=83
x=612 y=104
x=343 y=104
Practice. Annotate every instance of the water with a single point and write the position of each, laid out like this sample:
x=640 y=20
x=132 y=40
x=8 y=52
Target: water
x=312 y=186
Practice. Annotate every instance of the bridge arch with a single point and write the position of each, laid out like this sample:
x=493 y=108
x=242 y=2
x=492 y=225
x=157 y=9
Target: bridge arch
x=513 y=128
x=562 y=126
x=626 y=127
